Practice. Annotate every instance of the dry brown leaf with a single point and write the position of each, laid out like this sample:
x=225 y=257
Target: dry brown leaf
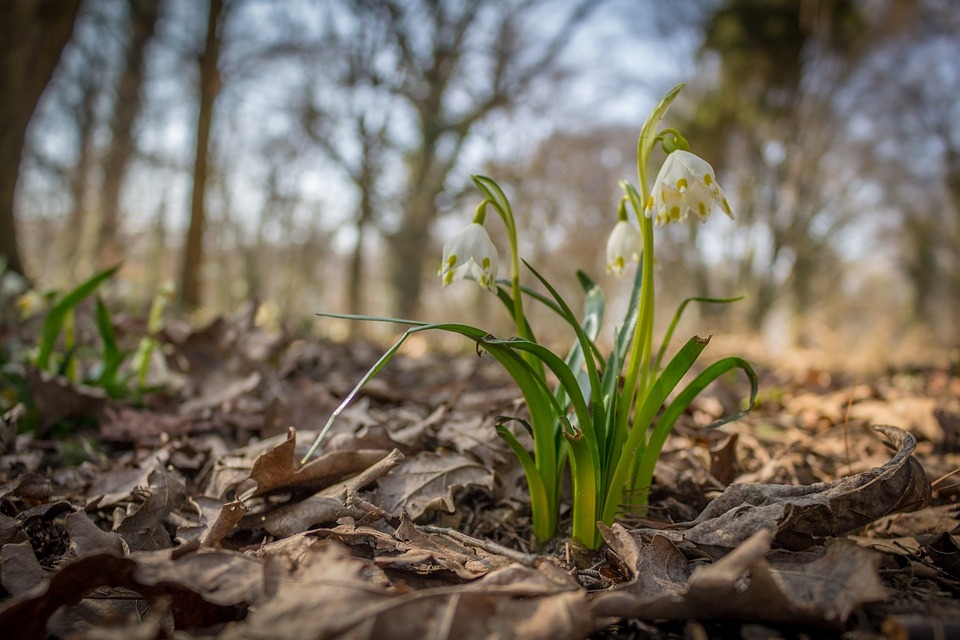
x=427 y=481
x=87 y=538
x=945 y=554
x=423 y=549
x=743 y=585
x=930 y=521
x=19 y=569
x=326 y=506
x=297 y=517
x=914 y=413
x=280 y=468
x=118 y=485
x=221 y=395
x=204 y=588
x=332 y=595
x=142 y=525
x=801 y=515
x=56 y=399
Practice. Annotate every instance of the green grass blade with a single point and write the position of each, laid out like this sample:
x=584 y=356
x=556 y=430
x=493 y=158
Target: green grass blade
x=508 y=303
x=558 y=367
x=112 y=357
x=676 y=320
x=350 y=316
x=53 y=322
x=467 y=330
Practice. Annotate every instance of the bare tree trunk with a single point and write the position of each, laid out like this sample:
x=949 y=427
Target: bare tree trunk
x=209 y=88
x=143 y=21
x=920 y=265
x=356 y=276
x=366 y=177
x=32 y=38
x=410 y=251
x=74 y=238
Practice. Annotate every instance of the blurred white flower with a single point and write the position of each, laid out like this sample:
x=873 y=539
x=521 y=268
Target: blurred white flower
x=470 y=254
x=624 y=245
x=686 y=184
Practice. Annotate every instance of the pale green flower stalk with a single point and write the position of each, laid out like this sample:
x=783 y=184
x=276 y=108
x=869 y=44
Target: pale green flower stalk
x=685 y=183
x=610 y=434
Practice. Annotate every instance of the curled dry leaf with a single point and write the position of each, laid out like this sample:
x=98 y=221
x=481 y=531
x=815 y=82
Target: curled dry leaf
x=204 y=588
x=802 y=515
x=743 y=585
x=427 y=481
x=327 y=505
x=279 y=468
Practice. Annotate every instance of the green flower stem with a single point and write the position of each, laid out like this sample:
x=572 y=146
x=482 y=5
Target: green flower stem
x=637 y=380
x=496 y=197
x=69 y=344
x=638 y=361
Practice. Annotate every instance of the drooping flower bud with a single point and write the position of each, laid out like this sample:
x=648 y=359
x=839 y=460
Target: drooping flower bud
x=470 y=254
x=686 y=184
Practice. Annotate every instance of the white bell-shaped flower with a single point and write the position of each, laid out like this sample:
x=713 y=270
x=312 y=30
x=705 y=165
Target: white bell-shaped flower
x=623 y=246
x=470 y=254
x=686 y=184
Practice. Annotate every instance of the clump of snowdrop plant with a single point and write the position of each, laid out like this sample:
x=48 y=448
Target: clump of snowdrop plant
x=607 y=418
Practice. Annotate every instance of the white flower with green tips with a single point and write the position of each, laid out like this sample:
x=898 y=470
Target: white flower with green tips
x=623 y=246
x=470 y=254
x=686 y=184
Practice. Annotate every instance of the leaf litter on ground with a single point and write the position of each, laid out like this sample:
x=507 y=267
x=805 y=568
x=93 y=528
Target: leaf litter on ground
x=193 y=514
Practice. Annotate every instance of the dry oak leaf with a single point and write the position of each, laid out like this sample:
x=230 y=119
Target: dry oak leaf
x=205 y=588
x=427 y=481
x=327 y=505
x=800 y=516
x=743 y=585
x=425 y=551
x=274 y=465
x=331 y=595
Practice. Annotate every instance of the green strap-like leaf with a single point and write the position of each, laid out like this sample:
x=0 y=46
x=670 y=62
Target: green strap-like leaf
x=626 y=331
x=634 y=444
x=112 y=355
x=676 y=320
x=649 y=130
x=680 y=404
x=587 y=347
x=55 y=318
x=544 y=513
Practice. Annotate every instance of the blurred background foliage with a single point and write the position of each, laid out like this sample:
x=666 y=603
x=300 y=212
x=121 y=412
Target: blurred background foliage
x=313 y=154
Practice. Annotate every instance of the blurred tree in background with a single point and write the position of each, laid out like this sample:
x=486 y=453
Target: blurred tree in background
x=208 y=63
x=308 y=153
x=33 y=36
x=140 y=27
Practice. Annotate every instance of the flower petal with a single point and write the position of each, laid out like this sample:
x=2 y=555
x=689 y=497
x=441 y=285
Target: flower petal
x=623 y=246
x=470 y=254
x=685 y=184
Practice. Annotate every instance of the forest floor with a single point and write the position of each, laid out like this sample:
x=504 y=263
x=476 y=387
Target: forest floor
x=188 y=514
